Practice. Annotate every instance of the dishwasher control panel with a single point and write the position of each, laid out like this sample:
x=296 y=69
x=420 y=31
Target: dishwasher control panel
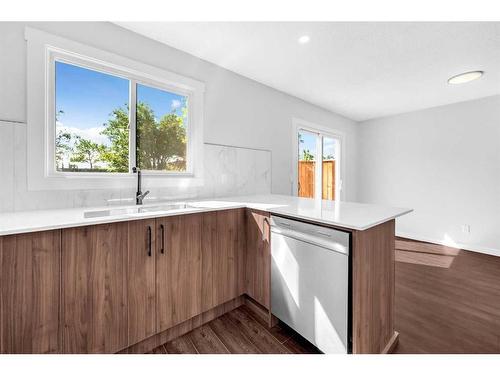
x=329 y=238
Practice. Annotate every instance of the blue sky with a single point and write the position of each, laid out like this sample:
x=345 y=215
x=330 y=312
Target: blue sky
x=162 y=102
x=309 y=143
x=88 y=97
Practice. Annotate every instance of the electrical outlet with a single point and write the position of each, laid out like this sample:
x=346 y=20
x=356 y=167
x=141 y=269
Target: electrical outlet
x=466 y=228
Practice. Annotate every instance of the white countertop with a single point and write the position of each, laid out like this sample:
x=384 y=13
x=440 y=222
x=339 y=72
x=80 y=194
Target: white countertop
x=349 y=215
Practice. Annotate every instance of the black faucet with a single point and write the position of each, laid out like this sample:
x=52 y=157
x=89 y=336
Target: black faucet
x=139 y=196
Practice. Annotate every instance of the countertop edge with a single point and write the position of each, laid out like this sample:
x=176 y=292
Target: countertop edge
x=336 y=224
x=226 y=204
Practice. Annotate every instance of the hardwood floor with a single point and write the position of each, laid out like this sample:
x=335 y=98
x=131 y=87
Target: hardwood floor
x=447 y=300
x=240 y=331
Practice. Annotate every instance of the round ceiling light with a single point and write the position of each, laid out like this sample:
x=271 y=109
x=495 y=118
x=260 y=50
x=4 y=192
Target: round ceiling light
x=304 y=39
x=465 y=77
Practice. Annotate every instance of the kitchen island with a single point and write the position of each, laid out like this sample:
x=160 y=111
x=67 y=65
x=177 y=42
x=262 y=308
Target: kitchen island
x=111 y=279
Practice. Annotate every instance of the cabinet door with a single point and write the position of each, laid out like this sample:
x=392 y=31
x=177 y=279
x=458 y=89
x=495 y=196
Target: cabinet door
x=94 y=288
x=228 y=256
x=141 y=280
x=29 y=293
x=208 y=251
x=258 y=257
x=178 y=269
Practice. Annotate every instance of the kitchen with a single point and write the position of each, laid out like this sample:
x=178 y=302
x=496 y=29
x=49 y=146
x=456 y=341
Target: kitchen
x=159 y=196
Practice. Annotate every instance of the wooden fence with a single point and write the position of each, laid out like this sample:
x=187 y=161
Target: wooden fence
x=306 y=179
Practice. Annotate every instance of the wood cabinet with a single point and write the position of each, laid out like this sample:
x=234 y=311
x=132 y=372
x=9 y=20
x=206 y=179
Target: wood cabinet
x=258 y=256
x=29 y=292
x=178 y=269
x=208 y=253
x=228 y=256
x=103 y=288
x=94 y=288
x=373 y=289
x=141 y=283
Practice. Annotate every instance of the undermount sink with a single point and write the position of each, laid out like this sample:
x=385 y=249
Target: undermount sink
x=137 y=210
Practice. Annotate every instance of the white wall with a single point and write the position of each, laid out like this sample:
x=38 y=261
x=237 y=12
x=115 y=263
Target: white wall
x=445 y=163
x=238 y=111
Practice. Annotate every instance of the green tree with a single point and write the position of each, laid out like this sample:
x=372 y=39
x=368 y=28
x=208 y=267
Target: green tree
x=116 y=129
x=307 y=156
x=161 y=145
x=87 y=151
x=63 y=147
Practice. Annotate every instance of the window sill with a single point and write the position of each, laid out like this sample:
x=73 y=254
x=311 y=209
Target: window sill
x=66 y=182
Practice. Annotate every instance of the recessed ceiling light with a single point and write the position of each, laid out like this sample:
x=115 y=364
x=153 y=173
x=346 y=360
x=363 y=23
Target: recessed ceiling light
x=304 y=39
x=465 y=77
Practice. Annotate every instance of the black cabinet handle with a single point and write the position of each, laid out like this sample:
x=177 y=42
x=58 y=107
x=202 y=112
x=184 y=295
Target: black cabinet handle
x=162 y=227
x=149 y=240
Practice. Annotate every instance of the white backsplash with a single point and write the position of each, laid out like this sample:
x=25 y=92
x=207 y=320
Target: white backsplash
x=228 y=171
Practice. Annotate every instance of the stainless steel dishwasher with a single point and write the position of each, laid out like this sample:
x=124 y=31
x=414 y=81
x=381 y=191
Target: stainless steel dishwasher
x=310 y=282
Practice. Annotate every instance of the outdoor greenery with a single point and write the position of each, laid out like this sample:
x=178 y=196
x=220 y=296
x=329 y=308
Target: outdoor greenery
x=62 y=146
x=87 y=151
x=161 y=144
x=307 y=156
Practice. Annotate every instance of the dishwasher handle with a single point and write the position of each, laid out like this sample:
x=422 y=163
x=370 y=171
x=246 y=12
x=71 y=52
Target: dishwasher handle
x=317 y=240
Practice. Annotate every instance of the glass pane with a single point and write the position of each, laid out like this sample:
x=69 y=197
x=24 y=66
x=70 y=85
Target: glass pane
x=91 y=120
x=306 y=164
x=161 y=130
x=330 y=146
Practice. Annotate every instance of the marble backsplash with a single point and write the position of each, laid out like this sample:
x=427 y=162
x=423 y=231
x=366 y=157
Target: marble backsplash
x=228 y=171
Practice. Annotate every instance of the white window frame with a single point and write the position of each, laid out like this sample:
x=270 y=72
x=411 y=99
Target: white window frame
x=321 y=130
x=43 y=51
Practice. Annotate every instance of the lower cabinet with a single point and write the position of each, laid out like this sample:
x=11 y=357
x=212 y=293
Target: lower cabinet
x=94 y=288
x=108 y=286
x=178 y=269
x=228 y=256
x=258 y=257
x=103 y=288
x=141 y=280
x=30 y=292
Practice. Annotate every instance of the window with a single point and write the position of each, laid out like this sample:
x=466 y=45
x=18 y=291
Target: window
x=306 y=163
x=162 y=119
x=93 y=128
x=92 y=120
x=317 y=160
x=94 y=115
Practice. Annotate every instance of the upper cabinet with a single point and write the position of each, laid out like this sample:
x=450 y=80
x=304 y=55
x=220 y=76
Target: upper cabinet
x=94 y=288
x=258 y=256
x=29 y=292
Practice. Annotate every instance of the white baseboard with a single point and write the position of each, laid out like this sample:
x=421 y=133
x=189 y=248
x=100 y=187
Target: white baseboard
x=475 y=248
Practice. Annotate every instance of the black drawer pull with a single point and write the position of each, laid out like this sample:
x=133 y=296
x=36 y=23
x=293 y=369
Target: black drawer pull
x=149 y=240
x=162 y=250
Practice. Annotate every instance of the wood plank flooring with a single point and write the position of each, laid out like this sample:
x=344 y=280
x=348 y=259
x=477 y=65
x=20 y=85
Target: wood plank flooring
x=447 y=300
x=240 y=331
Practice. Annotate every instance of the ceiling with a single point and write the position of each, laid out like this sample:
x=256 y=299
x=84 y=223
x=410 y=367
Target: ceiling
x=361 y=70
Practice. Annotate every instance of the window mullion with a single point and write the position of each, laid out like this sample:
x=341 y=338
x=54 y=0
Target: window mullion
x=318 y=193
x=132 y=125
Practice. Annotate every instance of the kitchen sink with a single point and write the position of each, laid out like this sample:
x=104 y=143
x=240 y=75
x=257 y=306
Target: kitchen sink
x=138 y=210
